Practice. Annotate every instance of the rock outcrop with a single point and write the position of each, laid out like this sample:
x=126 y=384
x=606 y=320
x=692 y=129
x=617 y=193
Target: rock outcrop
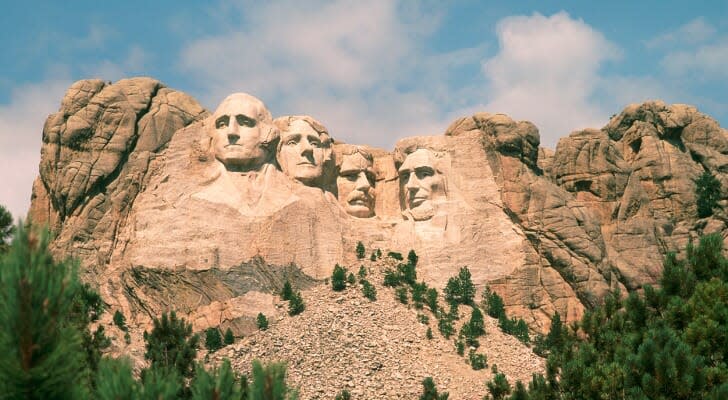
x=170 y=206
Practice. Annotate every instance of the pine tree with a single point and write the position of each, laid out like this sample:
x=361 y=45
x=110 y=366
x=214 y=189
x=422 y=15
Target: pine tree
x=269 y=383
x=369 y=291
x=499 y=387
x=429 y=391
x=493 y=304
x=229 y=338
x=412 y=258
x=115 y=380
x=287 y=291
x=360 y=250
x=338 y=278
x=42 y=357
x=296 y=304
x=343 y=395
x=431 y=299
x=262 y=322
x=467 y=288
x=477 y=325
x=213 y=339
x=160 y=384
x=119 y=320
x=171 y=344
x=707 y=194
x=219 y=384
x=6 y=229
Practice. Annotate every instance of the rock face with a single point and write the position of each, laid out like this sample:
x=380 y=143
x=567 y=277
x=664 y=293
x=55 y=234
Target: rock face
x=170 y=207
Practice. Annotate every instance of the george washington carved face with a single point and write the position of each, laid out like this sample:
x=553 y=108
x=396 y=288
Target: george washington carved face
x=242 y=132
x=355 y=184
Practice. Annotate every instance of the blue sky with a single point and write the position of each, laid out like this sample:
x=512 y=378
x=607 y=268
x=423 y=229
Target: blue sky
x=372 y=72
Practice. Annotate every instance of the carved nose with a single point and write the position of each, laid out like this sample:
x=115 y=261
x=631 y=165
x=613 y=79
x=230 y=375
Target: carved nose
x=233 y=138
x=362 y=182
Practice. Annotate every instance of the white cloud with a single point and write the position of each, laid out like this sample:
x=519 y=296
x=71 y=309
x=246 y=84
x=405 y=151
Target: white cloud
x=131 y=64
x=21 y=128
x=704 y=62
x=696 y=31
x=547 y=71
x=354 y=65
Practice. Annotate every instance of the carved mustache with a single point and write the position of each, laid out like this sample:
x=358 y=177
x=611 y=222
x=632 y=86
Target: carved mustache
x=359 y=196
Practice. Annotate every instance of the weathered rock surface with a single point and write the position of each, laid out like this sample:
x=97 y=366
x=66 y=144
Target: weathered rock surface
x=171 y=207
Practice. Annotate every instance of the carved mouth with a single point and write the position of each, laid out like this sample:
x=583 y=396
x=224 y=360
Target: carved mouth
x=417 y=201
x=360 y=200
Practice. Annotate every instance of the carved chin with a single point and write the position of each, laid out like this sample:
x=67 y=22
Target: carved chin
x=422 y=212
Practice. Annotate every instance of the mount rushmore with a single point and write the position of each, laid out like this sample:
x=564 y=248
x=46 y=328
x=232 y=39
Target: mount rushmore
x=169 y=206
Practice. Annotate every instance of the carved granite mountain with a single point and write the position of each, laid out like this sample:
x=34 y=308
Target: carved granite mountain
x=169 y=206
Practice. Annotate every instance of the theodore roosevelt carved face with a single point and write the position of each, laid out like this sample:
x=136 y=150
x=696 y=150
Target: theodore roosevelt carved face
x=420 y=183
x=304 y=149
x=355 y=184
x=242 y=133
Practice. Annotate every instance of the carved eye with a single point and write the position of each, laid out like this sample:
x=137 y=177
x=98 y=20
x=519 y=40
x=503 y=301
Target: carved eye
x=349 y=176
x=424 y=173
x=315 y=143
x=222 y=122
x=404 y=176
x=291 y=142
x=244 y=120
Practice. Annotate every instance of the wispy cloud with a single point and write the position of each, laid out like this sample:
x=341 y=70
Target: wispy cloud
x=706 y=62
x=695 y=31
x=547 y=70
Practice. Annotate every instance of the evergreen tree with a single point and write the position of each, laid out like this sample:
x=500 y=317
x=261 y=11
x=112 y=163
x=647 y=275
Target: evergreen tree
x=360 y=250
x=119 y=320
x=262 y=322
x=401 y=293
x=287 y=291
x=6 y=228
x=229 y=338
x=431 y=299
x=477 y=361
x=220 y=384
x=412 y=258
x=707 y=194
x=362 y=272
x=115 y=380
x=213 y=339
x=296 y=304
x=493 y=304
x=160 y=383
x=42 y=357
x=499 y=387
x=338 y=278
x=343 y=395
x=351 y=279
x=171 y=344
x=477 y=325
x=369 y=291
x=467 y=288
x=519 y=392
x=452 y=291
x=429 y=391
x=269 y=383
x=418 y=294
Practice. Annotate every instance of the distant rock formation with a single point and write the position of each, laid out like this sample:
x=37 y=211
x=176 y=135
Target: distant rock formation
x=169 y=206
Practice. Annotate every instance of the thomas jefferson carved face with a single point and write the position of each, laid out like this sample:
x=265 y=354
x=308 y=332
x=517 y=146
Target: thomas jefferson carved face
x=241 y=133
x=356 y=184
x=420 y=183
x=304 y=149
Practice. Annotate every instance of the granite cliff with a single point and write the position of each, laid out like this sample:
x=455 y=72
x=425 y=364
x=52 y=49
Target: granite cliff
x=170 y=206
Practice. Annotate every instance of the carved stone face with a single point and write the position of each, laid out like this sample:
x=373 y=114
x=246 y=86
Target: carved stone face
x=238 y=137
x=355 y=185
x=302 y=152
x=420 y=184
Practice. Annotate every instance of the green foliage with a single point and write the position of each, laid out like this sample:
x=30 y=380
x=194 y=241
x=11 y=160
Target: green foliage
x=707 y=194
x=493 y=304
x=171 y=345
x=444 y=325
x=160 y=384
x=6 y=228
x=667 y=343
x=431 y=299
x=476 y=323
x=460 y=289
x=424 y=319
x=120 y=320
x=362 y=272
x=477 y=361
x=360 y=250
x=418 y=294
x=338 y=278
x=369 y=291
x=428 y=334
x=218 y=384
x=269 y=383
x=42 y=354
x=115 y=380
x=351 y=279
x=395 y=255
x=296 y=304
x=429 y=391
x=499 y=387
x=460 y=347
x=379 y=253
x=228 y=338
x=213 y=339
x=408 y=272
x=373 y=257
x=287 y=291
x=519 y=392
x=401 y=293
x=262 y=322
x=343 y=395
x=412 y=258
x=392 y=278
